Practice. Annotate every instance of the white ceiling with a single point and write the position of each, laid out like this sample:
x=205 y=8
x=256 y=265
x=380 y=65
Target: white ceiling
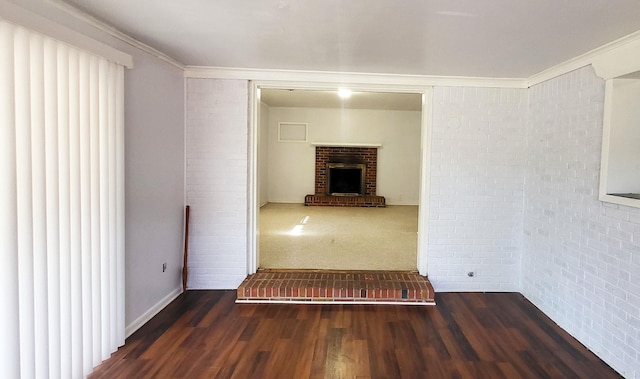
x=490 y=38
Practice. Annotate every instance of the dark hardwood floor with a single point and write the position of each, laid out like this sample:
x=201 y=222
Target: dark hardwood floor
x=204 y=334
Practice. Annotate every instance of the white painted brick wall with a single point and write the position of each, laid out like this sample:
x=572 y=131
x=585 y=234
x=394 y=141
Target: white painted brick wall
x=217 y=166
x=581 y=257
x=477 y=173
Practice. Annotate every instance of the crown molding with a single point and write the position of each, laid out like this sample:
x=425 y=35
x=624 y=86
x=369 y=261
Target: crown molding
x=23 y=17
x=622 y=60
x=103 y=26
x=612 y=59
x=351 y=78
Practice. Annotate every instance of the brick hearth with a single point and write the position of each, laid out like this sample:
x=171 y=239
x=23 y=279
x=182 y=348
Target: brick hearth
x=345 y=201
x=346 y=154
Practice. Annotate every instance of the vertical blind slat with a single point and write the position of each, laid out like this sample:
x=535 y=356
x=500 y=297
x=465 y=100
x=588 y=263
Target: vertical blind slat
x=96 y=278
x=53 y=208
x=85 y=206
x=120 y=279
x=104 y=207
x=9 y=328
x=65 y=211
x=75 y=279
x=111 y=93
x=41 y=326
x=25 y=206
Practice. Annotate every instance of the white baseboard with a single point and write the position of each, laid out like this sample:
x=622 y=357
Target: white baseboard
x=148 y=315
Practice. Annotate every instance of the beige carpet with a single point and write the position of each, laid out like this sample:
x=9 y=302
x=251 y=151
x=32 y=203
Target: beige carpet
x=335 y=238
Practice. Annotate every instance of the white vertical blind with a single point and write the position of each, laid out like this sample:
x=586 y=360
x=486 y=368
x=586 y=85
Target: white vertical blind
x=62 y=202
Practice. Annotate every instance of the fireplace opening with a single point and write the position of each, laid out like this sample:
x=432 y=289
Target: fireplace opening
x=345 y=179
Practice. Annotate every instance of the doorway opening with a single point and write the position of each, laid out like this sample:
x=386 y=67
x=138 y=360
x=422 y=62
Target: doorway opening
x=274 y=104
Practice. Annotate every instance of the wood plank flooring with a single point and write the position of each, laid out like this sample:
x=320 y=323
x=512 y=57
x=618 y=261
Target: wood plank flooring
x=204 y=334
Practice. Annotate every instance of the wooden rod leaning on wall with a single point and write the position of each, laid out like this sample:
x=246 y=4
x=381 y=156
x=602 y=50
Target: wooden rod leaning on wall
x=186 y=249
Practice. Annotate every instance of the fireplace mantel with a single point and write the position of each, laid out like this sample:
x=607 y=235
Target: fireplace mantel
x=346 y=144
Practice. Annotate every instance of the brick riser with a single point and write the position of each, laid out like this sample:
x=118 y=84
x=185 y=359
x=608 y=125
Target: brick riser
x=368 y=287
x=345 y=201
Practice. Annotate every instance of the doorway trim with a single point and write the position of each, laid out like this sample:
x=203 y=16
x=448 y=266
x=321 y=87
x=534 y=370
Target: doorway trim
x=253 y=139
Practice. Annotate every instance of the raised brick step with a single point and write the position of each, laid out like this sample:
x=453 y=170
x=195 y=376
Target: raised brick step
x=345 y=201
x=358 y=287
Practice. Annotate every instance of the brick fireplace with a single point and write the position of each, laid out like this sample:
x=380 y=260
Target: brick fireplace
x=349 y=155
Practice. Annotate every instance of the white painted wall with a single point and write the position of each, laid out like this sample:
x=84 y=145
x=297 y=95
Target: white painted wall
x=154 y=171
x=292 y=164
x=263 y=154
x=581 y=257
x=217 y=166
x=477 y=171
x=154 y=184
x=624 y=143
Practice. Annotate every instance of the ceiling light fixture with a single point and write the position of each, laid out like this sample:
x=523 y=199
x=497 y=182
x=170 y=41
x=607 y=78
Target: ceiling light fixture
x=344 y=93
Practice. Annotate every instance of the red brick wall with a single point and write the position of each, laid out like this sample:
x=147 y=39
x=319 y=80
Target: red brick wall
x=363 y=155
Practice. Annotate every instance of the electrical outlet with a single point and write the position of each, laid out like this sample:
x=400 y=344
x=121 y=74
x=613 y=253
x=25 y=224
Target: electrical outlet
x=164 y=267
